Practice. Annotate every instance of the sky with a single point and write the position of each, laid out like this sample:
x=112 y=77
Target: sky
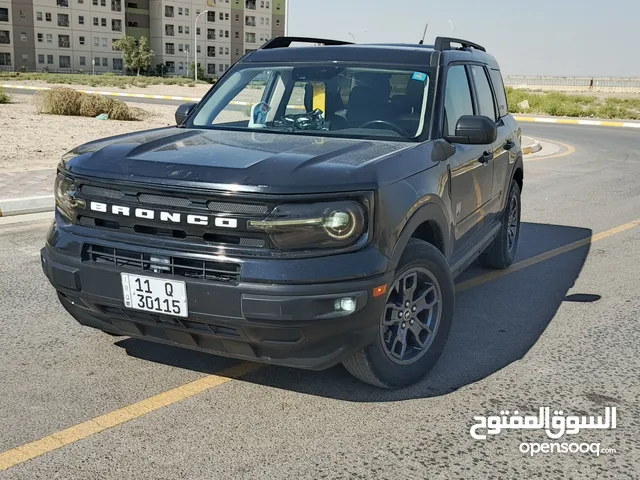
x=541 y=37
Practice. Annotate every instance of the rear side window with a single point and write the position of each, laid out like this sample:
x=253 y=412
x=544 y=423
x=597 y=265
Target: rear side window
x=457 y=97
x=486 y=102
x=501 y=96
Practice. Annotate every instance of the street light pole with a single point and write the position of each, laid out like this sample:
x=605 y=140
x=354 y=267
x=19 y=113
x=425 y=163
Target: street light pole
x=195 y=44
x=286 y=19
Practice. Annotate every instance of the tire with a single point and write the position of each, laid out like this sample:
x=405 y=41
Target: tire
x=378 y=364
x=502 y=251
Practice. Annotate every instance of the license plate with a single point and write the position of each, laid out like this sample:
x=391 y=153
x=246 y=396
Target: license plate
x=156 y=295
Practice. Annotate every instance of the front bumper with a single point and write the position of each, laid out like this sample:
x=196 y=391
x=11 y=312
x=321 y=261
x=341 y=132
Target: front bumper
x=262 y=320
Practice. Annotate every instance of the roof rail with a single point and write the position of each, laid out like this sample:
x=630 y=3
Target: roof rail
x=444 y=43
x=283 y=42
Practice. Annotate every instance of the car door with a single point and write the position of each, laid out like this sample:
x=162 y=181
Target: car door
x=505 y=147
x=471 y=166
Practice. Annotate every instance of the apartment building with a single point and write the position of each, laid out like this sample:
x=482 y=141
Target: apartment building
x=78 y=35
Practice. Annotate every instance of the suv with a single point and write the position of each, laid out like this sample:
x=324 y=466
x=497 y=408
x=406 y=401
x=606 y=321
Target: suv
x=313 y=208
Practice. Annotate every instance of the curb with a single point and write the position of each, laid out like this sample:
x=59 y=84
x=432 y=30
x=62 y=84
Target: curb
x=536 y=147
x=575 y=121
x=20 y=206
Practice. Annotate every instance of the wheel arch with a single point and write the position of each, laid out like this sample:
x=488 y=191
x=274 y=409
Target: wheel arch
x=428 y=223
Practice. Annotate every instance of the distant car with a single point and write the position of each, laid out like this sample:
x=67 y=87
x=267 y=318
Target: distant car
x=312 y=209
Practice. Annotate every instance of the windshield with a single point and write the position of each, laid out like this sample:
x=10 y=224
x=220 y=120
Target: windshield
x=335 y=100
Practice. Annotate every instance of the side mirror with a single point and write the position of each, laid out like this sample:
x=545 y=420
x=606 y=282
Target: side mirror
x=183 y=112
x=475 y=130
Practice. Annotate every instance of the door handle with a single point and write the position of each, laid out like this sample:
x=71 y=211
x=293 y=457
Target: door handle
x=509 y=145
x=486 y=158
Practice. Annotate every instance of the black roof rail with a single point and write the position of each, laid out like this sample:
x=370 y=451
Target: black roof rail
x=444 y=43
x=283 y=42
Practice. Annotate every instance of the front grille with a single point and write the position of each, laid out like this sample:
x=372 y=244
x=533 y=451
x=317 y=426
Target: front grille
x=245 y=208
x=101 y=192
x=164 y=200
x=217 y=271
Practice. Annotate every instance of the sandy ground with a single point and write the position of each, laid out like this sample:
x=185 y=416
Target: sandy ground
x=31 y=141
x=198 y=90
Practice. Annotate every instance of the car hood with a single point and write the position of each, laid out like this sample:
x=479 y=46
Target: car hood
x=241 y=161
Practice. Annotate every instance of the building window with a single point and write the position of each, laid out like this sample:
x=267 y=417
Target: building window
x=186 y=48
x=80 y=2
x=226 y=16
x=81 y=20
x=266 y=21
x=186 y=12
x=277 y=22
x=179 y=28
x=23 y=36
x=105 y=43
x=103 y=3
x=168 y=11
x=211 y=68
x=95 y=21
x=198 y=31
x=221 y=15
x=169 y=48
x=211 y=51
x=81 y=40
x=39 y=18
x=63 y=20
x=96 y=61
x=83 y=61
x=117 y=64
x=250 y=37
x=96 y=41
x=250 y=21
x=261 y=20
x=103 y=22
x=250 y=4
x=226 y=50
x=95 y=2
x=237 y=51
x=49 y=59
x=41 y=58
x=105 y=62
x=237 y=17
x=211 y=34
x=180 y=49
x=226 y=34
x=211 y=16
x=262 y=4
x=63 y=41
x=40 y=37
x=221 y=68
x=180 y=65
x=116 y=25
x=65 y=61
x=116 y=6
x=186 y=30
x=179 y=10
x=49 y=38
x=198 y=49
x=47 y=17
x=5 y=58
x=236 y=34
x=198 y=12
x=168 y=30
x=4 y=17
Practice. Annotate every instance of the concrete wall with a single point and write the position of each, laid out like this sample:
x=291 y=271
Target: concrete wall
x=575 y=84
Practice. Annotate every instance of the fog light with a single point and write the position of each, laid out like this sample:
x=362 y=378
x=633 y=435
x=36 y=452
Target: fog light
x=347 y=305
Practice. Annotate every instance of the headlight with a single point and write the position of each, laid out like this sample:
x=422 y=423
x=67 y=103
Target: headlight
x=317 y=225
x=65 y=191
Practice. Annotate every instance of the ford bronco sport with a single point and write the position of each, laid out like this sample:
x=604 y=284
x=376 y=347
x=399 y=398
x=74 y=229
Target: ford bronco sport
x=313 y=208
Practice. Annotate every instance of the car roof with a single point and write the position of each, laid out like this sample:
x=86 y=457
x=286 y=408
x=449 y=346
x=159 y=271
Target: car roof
x=440 y=54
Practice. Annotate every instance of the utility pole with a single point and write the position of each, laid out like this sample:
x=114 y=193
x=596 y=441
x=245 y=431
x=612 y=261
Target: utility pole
x=195 y=44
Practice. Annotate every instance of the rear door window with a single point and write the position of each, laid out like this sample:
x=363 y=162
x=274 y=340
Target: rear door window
x=486 y=101
x=457 y=100
x=501 y=96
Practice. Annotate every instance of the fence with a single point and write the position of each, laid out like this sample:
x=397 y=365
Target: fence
x=576 y=84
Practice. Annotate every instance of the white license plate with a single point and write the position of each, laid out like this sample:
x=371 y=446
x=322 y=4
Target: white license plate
x=155 y=295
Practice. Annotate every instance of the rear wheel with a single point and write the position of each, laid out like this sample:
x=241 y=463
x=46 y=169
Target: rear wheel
x=502 y=251
x=415 y=324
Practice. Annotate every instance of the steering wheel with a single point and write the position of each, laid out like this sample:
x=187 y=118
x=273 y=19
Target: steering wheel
x=393 y=126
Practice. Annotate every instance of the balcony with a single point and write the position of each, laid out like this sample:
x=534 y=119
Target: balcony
x=64 y=44
x=169 y=31
x=63 y=20
x=250 y=4
x=4 y=14
x=62 y=3
x=211 y=51
x=211 y=34
x=116 y=25
x=250 y=21
x=4 y=38
x=168 y=12
x=116 y=6
x=169 y=49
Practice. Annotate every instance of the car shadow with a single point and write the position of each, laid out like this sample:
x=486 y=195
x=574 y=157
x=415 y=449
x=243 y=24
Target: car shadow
x=496 y=324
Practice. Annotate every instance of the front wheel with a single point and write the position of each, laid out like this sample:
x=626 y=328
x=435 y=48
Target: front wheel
x=415 y=324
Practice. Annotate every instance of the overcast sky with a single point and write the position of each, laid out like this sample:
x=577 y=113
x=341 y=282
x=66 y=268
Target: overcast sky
x=540 y=37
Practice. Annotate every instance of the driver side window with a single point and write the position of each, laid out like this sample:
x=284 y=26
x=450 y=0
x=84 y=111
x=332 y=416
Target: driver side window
x=457 y=96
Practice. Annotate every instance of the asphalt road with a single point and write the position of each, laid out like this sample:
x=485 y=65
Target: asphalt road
x=560 y=333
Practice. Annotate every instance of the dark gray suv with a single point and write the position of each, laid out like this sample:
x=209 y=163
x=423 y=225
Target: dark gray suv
x=313 y=208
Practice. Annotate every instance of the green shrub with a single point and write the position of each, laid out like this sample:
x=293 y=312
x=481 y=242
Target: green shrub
x=104 y=80
x=4 y=98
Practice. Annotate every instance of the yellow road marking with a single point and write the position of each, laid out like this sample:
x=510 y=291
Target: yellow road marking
x=569 y=151
x=479 y=280
x=78 y=432
x=26 y=452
